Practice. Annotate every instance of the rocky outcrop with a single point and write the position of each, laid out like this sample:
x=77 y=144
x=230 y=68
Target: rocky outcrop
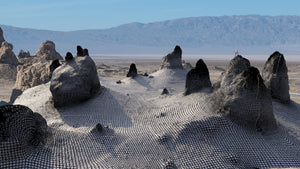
x=36 y=70
x=8 y=71
x=21 y=130
x=173 y=59
x=79 y=51
x=275 y=75
x=248 y=102
x=47 y=51
x=8 y=60
x=86 y=52
x=132 y=71
x=197 y=79
x=237 y=65
x=69 y=57
x=23 y=54
x=74 y=81
x=30 y=75
x=1 y=37
x=7 y=56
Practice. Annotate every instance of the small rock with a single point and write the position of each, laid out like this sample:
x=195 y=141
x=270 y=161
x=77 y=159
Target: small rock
x=165 y=91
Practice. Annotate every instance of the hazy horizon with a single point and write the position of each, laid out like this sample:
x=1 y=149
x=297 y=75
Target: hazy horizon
x=93 y=14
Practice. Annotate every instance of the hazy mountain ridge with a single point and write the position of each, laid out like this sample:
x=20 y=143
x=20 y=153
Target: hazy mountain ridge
x=207 y=34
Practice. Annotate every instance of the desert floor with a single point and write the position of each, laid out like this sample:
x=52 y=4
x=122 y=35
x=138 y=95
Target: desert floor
x=117 y=68
x=144 y=129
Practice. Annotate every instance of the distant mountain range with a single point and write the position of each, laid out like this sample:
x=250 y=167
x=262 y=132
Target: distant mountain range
x=252 y=34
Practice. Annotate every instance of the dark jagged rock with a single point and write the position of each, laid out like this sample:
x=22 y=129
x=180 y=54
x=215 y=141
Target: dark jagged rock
x=275 y=75
x=173 y=59
x=86 y=52
x=79 y=51
x=23 y=54
x=119 y=82
x=247 y=101
x=74 y=82
x=21 y=123
x=165 y=91
x=132 y=71
x=97 y=129
x=197 y=79
x=55 y=64
x=69 y=57
x=1 y=37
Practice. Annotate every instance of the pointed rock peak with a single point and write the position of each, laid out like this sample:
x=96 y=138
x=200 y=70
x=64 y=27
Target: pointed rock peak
x=69 y=56
x=86 y=52
x=201 y=67
x=79 y=51
x=47 y=51
x=178 y=50
x=132 y=71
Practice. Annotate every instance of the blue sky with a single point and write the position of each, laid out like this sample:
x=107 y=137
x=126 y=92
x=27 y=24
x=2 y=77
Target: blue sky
x=66 y=15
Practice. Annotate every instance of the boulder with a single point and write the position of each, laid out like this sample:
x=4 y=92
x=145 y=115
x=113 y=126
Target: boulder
x=132 y=71
x=248 y=102
x=55 y=64
x=7 y=56
x=47 y=51
x=173 y=59
x=197 y=79
x=275 y=75
x=74 y=81
x=20 y=123
x=79 y=51
x=23 y=54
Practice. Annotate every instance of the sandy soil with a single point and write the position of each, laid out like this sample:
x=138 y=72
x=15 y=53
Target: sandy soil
x=144 y=129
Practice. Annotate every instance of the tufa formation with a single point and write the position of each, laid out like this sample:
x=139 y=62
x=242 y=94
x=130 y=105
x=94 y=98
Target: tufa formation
x=197 y=79
x=275 y=75
x=132 y=71
x=173 y=59
x=75 y=81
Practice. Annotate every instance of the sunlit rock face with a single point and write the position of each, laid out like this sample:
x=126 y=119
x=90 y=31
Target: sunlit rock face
x=275 y=75
x=248 y=102
x=173 y=59
x=74 y=81
x=47 y=51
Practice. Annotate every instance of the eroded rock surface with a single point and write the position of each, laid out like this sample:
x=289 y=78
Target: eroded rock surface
x=247 y=101
x=74 y=81
x=173 y=59
x=47 y=51
x=275 y=75
x=197 y=79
